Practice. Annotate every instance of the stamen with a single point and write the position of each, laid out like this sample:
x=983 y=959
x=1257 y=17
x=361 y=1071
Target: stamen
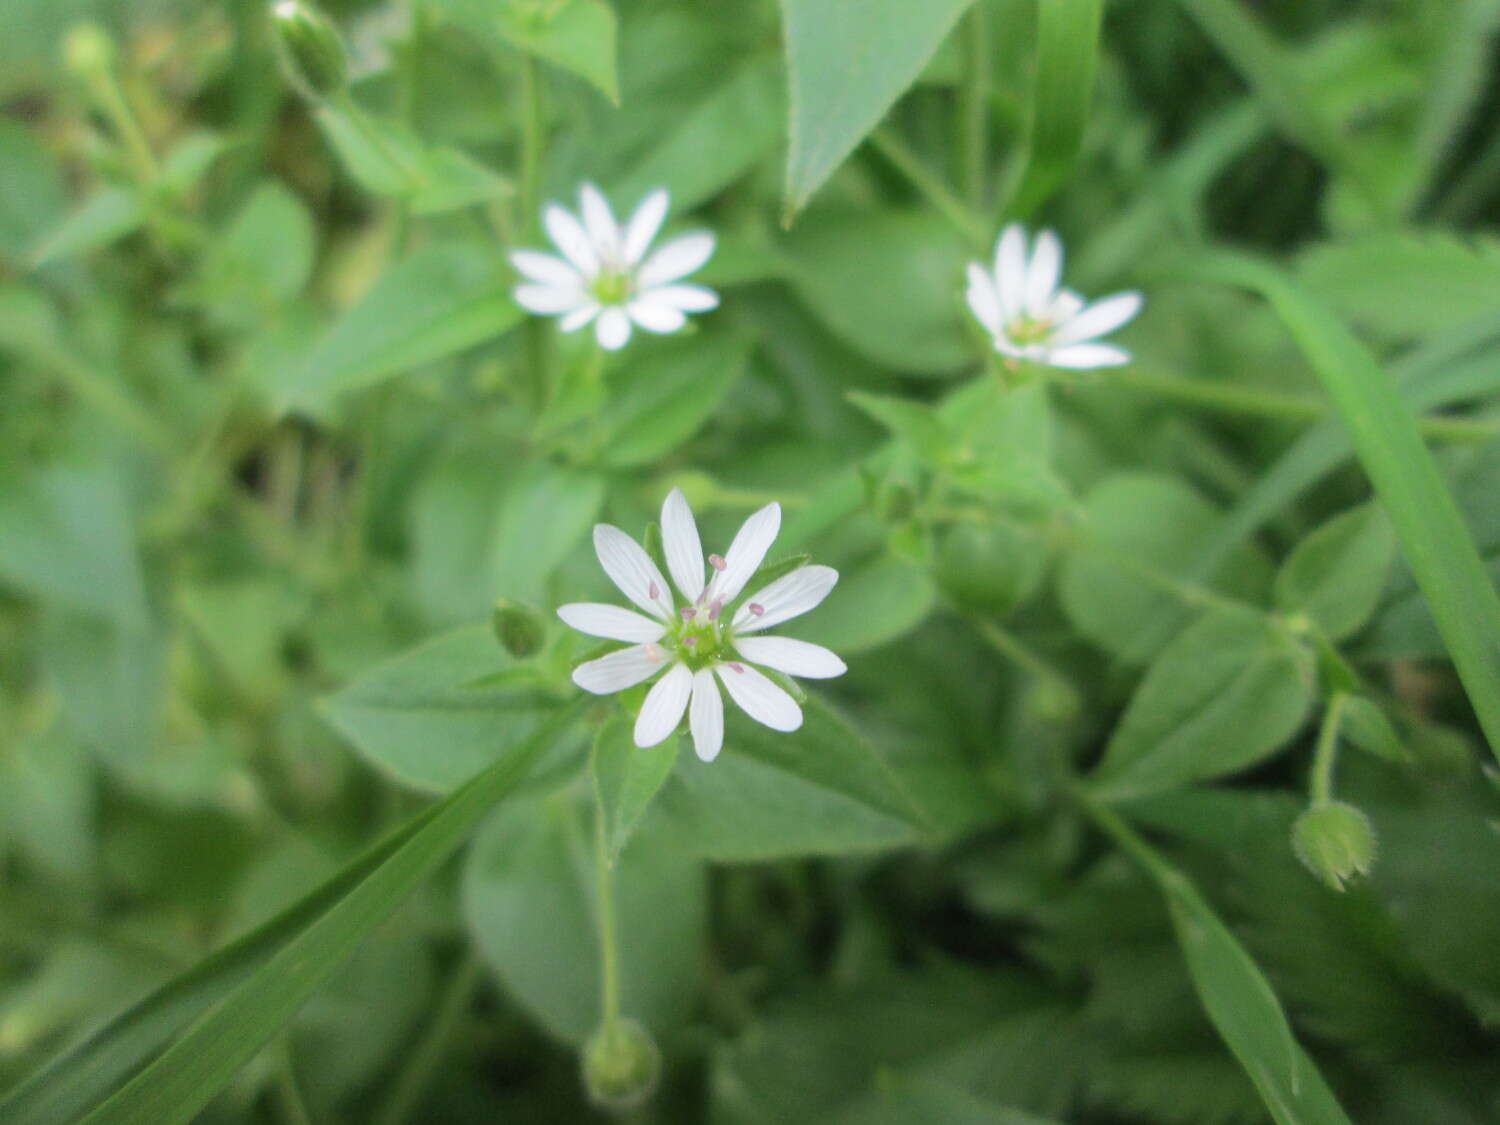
x=715 y=607
x=653 y=652
x=689 y=642
x=717 y=562
x=687 y=612
x=737 y=667
x=756 y=609
x=653 y=592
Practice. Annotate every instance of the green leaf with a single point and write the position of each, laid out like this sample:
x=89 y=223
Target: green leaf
x=1136 y=526
x=875 y=602
x=1228 y=692
x=848 y=61
x=1234 y=993
x=887 y=284
x=821 y=790
x=529 y=899
x=1336 y=575
x=1067 y=51
x=263 y=260
x=1404 y=284
x=627 y=778
x=1434 y=540
x=417 y=717
x=101 y=220
x=576 y=35
x=198 y=1065
x=663 y=397
x=547 y=510
x=913 y=422
x=717 y=141
x=1366 y=726
x=31 y=190
x=441 y=300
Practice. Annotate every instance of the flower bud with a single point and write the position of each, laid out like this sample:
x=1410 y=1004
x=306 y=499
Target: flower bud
x=88 y=50
x=621 y=1065
x=518 y=628
x=311 y=51
x=1335 y=842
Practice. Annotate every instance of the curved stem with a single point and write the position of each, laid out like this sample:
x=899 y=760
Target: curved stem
x=609 y=964
x=1327 y=751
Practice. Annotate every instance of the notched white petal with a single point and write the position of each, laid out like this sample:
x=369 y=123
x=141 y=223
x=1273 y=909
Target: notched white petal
x=599 y=222
x=682 y=545
x=619 y=670
x=795 y=658
x=1043 y=272
x=610 y=622
x=676 y=259
x=548 y=269
x=747 y=552
x=613 y=329
x=631 y=569
x=579 y=317
x=655 y=316
x=706 y=716
x=1098 y=319
x=548 y=300
x=644 y=224
x=1010 y=269
x=984 y=300
x=568 y=235
x=759 y=698
x=684 y=296
x=665 y=703
x=1081 y=357
x=789 y=596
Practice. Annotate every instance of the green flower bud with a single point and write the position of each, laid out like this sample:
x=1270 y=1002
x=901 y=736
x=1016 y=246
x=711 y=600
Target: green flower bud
x=1335 y=842
x=88 y=50
x=518 y=628
x=621 y=1065
x=310 y=48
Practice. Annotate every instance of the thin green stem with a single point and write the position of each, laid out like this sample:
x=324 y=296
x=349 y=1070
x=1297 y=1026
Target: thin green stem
x=1113 y=825
x=427 y=1054
x=1327 y=752
x=895 y=150
x=974 y=109
x=609 y=967
x=112 y=102
x=537 y=352
x=1008 y=645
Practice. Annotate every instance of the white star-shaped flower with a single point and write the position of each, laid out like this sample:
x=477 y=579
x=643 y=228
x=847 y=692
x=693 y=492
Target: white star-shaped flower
x=705 y=641
x=604 y=275
x=1022 y=307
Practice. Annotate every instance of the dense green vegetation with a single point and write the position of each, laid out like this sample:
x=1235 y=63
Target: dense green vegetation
x=1159 y=784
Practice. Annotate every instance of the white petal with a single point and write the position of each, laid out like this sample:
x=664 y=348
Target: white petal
x=568 y=235
x=984 y=300
x=1043 y=272
x=677 y=258
x=613 y=329
x=1010 y=269
x=706 y=716
x=795 y=658
x=599 y=222
x=665 y=703
x=680 y=543
x=746 y=553
x=610 y=621
x=688 y=298
x=759 y=698
x=548 y=300
x=619 y=670
x=654 y=315
x=1083 y=356
x=1065 y=306
x=545 y=268
x=643 y=225
x=1098 y=319
x=631 y=569
x=789 y=596
x=579 y=317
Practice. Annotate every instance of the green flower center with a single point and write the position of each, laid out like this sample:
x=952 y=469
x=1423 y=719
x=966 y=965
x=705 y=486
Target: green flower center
x=699 y=641
x=1026 y=329
x=611 y=287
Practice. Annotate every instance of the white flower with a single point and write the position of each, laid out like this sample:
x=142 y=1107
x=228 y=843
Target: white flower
x=1021 y=306
x=700 y=644
x=605 y=276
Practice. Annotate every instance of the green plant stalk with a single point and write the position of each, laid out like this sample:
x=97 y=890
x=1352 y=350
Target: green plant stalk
x=609 y=960
x=1433 y=536
x=427 y=1054
x=537 y=351
x=113 y=104
x=974 y=109
x=190 y=1072
x=1327 y=751
x=901 y=157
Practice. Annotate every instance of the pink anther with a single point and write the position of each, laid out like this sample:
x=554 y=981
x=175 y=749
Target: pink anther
x=717 y=562
x=756 y=609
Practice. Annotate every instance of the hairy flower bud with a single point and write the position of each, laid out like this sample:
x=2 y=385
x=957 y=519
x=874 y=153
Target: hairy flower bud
x=310 y=48
x=621 y=1065
x=518 y=628
x=1335 y=842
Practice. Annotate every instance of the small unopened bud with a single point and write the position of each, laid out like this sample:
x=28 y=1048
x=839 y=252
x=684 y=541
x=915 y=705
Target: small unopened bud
x=88 y=50
x=310 y=48
x=1335 y=842
x=621 y=1065
x=518 y=628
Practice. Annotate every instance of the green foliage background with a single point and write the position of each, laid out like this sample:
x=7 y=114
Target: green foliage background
x=288 y=836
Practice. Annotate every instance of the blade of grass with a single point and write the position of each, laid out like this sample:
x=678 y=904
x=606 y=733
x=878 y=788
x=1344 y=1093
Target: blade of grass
x=1434 y=539
x=1067 y=52
x=244 y=995
x=1234 y=992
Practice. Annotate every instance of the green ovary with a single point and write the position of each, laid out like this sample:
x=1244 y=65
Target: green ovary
x=699 y=644
x=611 y=288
